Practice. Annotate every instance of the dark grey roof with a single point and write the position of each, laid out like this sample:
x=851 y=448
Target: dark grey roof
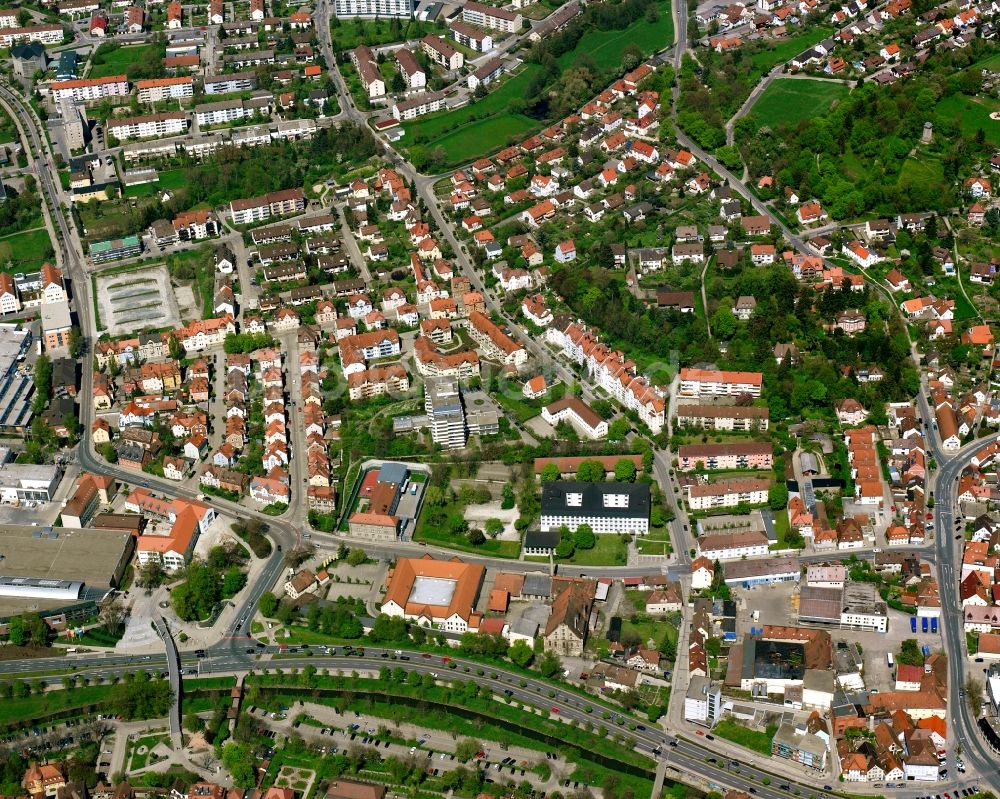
x=540 y=539
x=537 y=584
x=592 y=499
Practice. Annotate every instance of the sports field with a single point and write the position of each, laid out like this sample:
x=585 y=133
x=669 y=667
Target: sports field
x=169 y=180
x=785 y=102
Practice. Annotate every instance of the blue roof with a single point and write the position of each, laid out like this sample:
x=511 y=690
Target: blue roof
x=392 y=473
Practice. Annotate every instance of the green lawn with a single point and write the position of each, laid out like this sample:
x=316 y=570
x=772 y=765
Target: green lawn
x=460 y=131
x=605 y=47
x=348 y=35
x=787 y=102
x=609 y=551
x=920 y=171
x=24 y=252
x=972 y=114
x=169 y=180
x=766 y=60
x=751 y=739
x=117 y=61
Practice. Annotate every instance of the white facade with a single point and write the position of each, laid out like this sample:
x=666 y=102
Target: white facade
x=158 y=91
x=373 y=8
x=90 y=89
x=145 y=127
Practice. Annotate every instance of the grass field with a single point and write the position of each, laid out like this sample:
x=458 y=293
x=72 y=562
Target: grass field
x=972 y=114
x=24 y=252
x=786 y=102
x=766 y=60
x=609 y=551
x=348 y=35
x=169 y=180
x=117 y=61
x=605 y=47
x=751 y=739
x=921 y=171
x=473 y=130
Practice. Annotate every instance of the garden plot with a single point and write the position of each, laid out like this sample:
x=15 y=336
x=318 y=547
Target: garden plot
x=137 y=300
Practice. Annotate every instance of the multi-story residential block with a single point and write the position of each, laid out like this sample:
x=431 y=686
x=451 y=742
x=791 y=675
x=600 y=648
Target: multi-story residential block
x=705 y=382
x=410 y=69
x=703 y=701
x=169 y=123
x=605 y=507
x=486 y=74
x=471 y=37
x=367 y=66
x=494 y=17
x=445 y=414
x=442 y=52
x=375 y=382
x=230 y=83
x=43 y=34
x=495 y=344
x=276 y=203
x=723 y=417
x=731 y=546
x=226 y=111
x=426 y=103
x=158 y=90
x=727 y=494
x=750 y=455
x=610 y=371
x=90 y=89
x=374 y=8
x=578 y=413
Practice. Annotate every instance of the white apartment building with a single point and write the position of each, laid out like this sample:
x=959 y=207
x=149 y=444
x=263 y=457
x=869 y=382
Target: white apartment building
x=43 y=34
x=491 y=17
x=605 y=507
x=442 y=52
x=579 y=414
x=610 y=371
x=703 y=701
x=727 y=494
x=423 y=104
x=90 y=89
x=8 y=19
x=469 y=36
x=732 y=546
x=374 y=8
x=410 y=69
x=494 y=343
x=230 y=84
x=707 y=382
x=149 y=126
x=160 y=90
x=277 y=203
x=226 y=111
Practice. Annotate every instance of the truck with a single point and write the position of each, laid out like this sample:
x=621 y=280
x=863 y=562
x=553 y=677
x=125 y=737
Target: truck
x=934 y=625
x=926 y=650
x=913 y=624
x=889 y=660
x=923 y=624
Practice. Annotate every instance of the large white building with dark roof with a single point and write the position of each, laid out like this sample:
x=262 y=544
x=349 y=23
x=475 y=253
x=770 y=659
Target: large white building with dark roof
x=606 y=507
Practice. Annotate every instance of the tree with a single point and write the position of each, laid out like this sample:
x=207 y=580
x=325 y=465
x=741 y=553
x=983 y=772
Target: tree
x=625 y=471
x=467 y=749
x=174 y=347
x=194 y=723
x=724 y=323
x=398 y=84
x=493 y=527
x=15 y=631
x=549 y=664
x=237 y=760
x=619 y=429
x=75 y=343
x=550 y=472
x=590 y=472
x=508 y=500
x=113 y=616
x=520 y=653
x=268 y=604
x=584 y=538
x=475 y=537
x=777 y=496
x=974 y=693
x=356 y=557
